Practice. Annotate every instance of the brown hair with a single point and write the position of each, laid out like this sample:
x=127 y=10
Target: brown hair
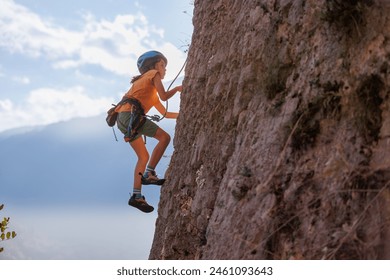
x=146 y=68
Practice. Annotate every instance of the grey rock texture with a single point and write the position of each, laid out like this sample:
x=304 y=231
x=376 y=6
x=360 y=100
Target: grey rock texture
x=282 y=146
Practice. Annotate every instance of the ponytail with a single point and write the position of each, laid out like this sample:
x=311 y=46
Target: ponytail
x=146 y=68
x=135 y=78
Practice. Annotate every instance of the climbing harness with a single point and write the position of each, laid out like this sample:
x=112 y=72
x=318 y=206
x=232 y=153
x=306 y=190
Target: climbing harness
x=138 y=117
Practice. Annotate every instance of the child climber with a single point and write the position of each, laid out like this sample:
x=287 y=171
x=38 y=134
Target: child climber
x=147 y=89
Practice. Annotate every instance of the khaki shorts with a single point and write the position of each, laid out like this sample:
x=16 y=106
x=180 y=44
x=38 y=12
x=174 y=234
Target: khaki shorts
x=148 y=129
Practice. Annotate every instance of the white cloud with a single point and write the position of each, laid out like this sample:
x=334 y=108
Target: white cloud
x=25 y=32
x=113 y=45
x=22 y=80
x=50 y=105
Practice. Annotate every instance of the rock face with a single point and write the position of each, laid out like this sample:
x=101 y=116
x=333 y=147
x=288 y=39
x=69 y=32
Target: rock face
x=282 y=146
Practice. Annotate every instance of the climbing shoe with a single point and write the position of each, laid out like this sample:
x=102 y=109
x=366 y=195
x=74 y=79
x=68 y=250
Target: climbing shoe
x=141 y=204
x=151 y=179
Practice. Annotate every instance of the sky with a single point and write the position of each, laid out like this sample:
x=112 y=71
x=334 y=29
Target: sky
x=62 y=65
x=65 y=59
x=77 y=234
x=65 y=187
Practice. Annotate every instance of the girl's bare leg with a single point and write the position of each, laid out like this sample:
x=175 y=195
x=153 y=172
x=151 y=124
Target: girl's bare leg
x=143 y=156
x=163 y=142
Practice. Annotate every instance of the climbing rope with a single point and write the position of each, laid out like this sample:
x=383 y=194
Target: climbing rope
x=156 y=117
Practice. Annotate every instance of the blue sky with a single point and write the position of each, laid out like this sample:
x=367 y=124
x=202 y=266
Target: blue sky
x=62 y=64
x=65 y=59
x=66 y=186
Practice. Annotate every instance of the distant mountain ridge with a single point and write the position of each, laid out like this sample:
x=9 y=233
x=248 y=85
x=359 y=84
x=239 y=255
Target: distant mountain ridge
x=73 y=162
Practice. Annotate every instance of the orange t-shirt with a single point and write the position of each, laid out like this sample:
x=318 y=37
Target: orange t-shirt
x=144 y=91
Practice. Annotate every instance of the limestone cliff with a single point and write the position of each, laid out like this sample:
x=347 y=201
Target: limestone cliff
x=282 y=146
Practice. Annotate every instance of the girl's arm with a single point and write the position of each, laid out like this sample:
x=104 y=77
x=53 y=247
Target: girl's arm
x=164 y=95
x=161 y=109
